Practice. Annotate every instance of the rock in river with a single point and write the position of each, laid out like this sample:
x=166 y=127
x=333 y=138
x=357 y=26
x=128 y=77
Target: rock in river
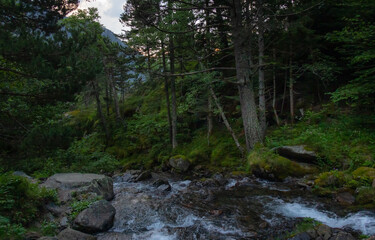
x=97 y=218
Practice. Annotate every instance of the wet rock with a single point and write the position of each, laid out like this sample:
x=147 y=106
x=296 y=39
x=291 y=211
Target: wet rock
x=115 y=236
x=324 y=231
x=179 y=163
x=297 y=153
x=345 y=198
x=143 y=176
x=263 y=225
x=219 y=178
x=48 y=238
x=164 y=188
x=343 y=236
x=97 y=218
x=373 y=184
x=159 y=182
x=71 y=234
x=301 y=236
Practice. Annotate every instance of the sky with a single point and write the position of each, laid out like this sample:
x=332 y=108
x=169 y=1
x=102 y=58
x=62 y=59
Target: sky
x=109 y=11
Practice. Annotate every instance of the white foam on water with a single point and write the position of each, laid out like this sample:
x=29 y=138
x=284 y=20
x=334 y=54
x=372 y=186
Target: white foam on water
x=363 y=221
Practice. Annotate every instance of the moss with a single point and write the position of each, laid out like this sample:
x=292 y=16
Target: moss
x=366 y=195
x=332 y=179
x=364 y=173
x=266 y=164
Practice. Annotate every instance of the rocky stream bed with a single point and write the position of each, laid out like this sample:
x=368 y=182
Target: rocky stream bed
x=144 y=205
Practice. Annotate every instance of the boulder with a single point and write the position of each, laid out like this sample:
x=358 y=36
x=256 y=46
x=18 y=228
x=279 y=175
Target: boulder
x=97 y=218
x=164 y=188
x=143 y=176
x=345 y=198
x=71 y=234
x=179 y=163
x=67 y=183
x=22 y=174
x=301 y=236
x=48 y=238
x=298 y=153
x=71 y=180
x=160 y=182
x=343 y=236
x=324 y=231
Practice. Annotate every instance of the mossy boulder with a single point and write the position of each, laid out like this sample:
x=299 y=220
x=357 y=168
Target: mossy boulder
x=179 y=163
x=365 y=195
x=364 y=173
x=265 y=164
x=331 y=179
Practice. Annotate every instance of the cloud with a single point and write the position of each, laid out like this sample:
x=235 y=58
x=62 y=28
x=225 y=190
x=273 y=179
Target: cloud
x=109 y=11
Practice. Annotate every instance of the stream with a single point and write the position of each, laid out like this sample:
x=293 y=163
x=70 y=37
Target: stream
x=220 y=208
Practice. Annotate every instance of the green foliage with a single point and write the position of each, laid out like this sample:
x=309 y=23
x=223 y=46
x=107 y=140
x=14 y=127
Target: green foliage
x=78 y=206
x=49 y=228
x=332 y=179
x=341 y=140
x=303 y=226
x=9 y=230
x=21 y=200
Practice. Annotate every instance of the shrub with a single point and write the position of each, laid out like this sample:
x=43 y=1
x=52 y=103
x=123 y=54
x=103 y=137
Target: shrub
x=20 y=200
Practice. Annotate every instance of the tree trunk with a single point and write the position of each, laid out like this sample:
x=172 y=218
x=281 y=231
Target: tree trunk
x=167 y=92
x=250 y=121
x=115 y=99
x=209 y=118
x=107 y=96
x=291 y=85
x=173 y=93
x=274 y=89
x=99 y=109
x=226 y=123
x=262 y=99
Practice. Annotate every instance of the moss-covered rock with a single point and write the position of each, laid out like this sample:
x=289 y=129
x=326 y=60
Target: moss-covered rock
x=364 y=174
x=266 y=164
x=179 y=163
x=365 y=195
x=331 y=179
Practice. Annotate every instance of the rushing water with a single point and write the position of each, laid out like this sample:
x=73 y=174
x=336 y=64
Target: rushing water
x=239 y=209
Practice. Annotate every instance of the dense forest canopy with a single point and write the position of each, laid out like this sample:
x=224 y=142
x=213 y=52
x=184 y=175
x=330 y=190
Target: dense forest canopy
x=216 y=82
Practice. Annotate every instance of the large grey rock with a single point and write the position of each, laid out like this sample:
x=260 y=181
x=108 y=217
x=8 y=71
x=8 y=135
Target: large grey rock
x=345 y=198
x=71 y=180
x=179 y=163
x=71 y=234
x=343 y=236
x=301 y=236
x=298 y=153
x=79 y=183
x=324 y=231
x=97 y=218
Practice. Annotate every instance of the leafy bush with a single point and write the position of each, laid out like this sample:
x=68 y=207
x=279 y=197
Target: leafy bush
x=342 y=141
x=20 y=200
x=9 y=230
x=49 y=228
